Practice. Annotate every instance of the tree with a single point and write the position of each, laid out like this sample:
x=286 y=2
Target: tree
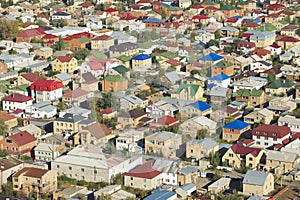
x=20 y=121
x=59 y=45
x=201 y=134
x=3 y=128
x=118 y=179
x=271 y=76
x=3 y=153
x=215 y=159
x=60 y=106
x=81 y=54
x=213 y=43
x=12 y=52
x=163 y=14
x=8 y=29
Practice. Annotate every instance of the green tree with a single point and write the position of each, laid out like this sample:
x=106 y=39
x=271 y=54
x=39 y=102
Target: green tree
x=271 y=76
x=20 y=121
x=3 y=128
x=12 y=52
x=163 y=14
x=59 y=45
x=41 y=23
x=118 y=179
x=201 y=134
x=3 y=153
x=215 y=159
x=60 y=106
x=213 y=43
x=8 y=29
x=81 y=54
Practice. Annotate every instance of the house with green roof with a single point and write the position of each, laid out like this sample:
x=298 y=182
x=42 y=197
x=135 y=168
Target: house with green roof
x=252 y=97
x=114 y=83
x=280 y=87
x=124 y=60
x=190 y=92
x=222 y=67
x=120 y=70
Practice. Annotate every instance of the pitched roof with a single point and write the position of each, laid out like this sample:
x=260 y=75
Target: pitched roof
x=237 y=124
x=254 y=177
x=242 y=150
x=64 y=59
x=272 y=131
x=109 y=10
x=142 y=57
x=103 y=37
x=201 y=105
x=89 y=78
x=46 y=85
x=135 y=113
x=22 y=138
x=219 y=77
x=211 y=57
x=31 y=77
x=98 y=130
x=115 y=78
x=144 y=171
x=6 y=117
x=31 y=33
x=20 y=98
x=78 y=92
x=31 y=172
x=279 y=83
x=248 y=92
x=167 y=120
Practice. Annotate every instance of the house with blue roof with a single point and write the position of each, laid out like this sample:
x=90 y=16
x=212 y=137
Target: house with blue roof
x=234 y=130
x=141 y=62
x=198 y=108
x=163 y=195
x=211 y=58
x=222 y=80
x=258 y=183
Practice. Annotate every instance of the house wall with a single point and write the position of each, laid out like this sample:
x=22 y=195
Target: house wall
x=47 y=96
x=141 y=64
x=265 y=189
x=231 y=159
x=255 y=117
x=102 y=44
x=68 y=67
x=281 y=167
x=233 y=134
x=198 y=151
x=59 y=127
x=11 y=106
x=265 y=142
x=143 y=183
x=7 y=173
x=114 y=86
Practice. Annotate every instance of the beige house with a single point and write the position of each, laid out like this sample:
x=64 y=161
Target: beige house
x=143 y=177
x=102 y=42
x=44 y=52
x=67 y=123
x=198 y=108
x=127 y=48
x=34 y=180
x=237 y=154
x=258 y=183
x=65 y=64
x=132 y=118
x=196 y=124
x=164 y=143
x=201 y=148
x=264 y=116
x=141 y=62
x=27 y=79
x=281 y=162
x=280 y=86
x=8 y=167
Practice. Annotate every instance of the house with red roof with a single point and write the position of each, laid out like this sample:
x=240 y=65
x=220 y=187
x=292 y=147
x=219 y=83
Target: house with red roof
x=27 y=79
x=76 y=96
x=108 y=113
x=264 y=54
x=232 y=21
x=31 y=34
x=143 y=177
x=19 y=144
x=245 y=46
x=66 y=64
x=9 y=119
x=274 y=8
x=288 y=42
x=239 y=153
x=46 y=90
x=16 y=101
x=97 y=66
x=275 y=49
x=290 y=30
x=203 y=19
x=267 y=135
x=112 y=11
x=164 y=121
x=102 y=42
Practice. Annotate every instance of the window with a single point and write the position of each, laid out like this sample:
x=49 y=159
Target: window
x=231 y=130
x=258 y=137
x=266 y=138
x=82 y=169
x=167 y=180
x=192 y=151
x=57 y=166
x=274 y=139
x=230 y=155
x=266 y=144
x=250 y=159
x=131 y=178
x=145 y=180
x=70 y=168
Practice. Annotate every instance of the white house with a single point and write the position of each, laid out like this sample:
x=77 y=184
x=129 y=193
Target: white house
x=128 y=140
x=46 y=152
x=46 y=90
x=292 y=147
x=88 y=162
x=16 y=101
x=249 y=83
x=290 y=121
x=61 y=15
x=40 y=110
x=275 y=49
x=94 y=23
x=221 y=80
x=17 y=61
x=169 y=169
x=260 y=66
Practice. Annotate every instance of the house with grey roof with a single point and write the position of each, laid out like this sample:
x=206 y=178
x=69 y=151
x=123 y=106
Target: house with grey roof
x=197 y=149
x=169 y=169
x=67 y=123
x=130 y=102
x=127 y=48
x=171 y=77
x=262 y=38
x=219 y=95
x=258 y=183
x=197 y=124
x=40 y=110
x=220 y=185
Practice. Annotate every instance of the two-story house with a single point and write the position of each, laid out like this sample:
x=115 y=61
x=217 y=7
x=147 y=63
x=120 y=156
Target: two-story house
x=198 y=108
x=46 y=90
x=67 y=123
x=65 y=64
x=263 y=116
x=253 y=97
x=127 y=48
x=198 y=149
x=258 y=183
x=16 y=101
x=234 y=130
x=102 y=42
x=130 y=102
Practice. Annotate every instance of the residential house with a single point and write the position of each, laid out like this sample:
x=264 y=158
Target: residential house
x=280 y=162
x=9 y=167
x=163 y=143
x=94 y=23
x=249 y=83
x=98 y=66
x=40 y=110
x=76 y=96
x=20 y=143
x=30 y=128
x=188 y=174
x=288 y=42
x=74 y=192
x=108 y=113
x=267 y=135
x=169 y=169
x=258 y=183
x=260 y=66
x=143 y=177
x=290 y=72
x=16 y=101
x=95 y=133
x=102 y=42
x=162 y=108
x=129 y=140
x=132 y=118
x=44 y=52
x=227 y=31
x=239 y=153
x=220 y=185
x=190 y=92
x=261 y=38
x=30 y=34
x=222 y=80
x=259 y=115
x=199 y=108
x=222 y=67
x=127 y=48
x=275 y=49
x=65 y=64
x=282 y=104
x=88 y=162
x=10 y=120
x=114 y=83
x=67 y=123
x=198 y=149
x=245 y=46
x=114 y=191
x=211 y=58
x=234 y=130
x=60 y=15
x=130 y=102
x=252 y=97
x=218 y=96
x=141 y=62
x=293 y=146
x=46 y=90
x=290 y=121
x=197 y=124
x=46 y=152
x=88 y=82
x=3 y=68
x=65 y=78
x=280 y=86
x=34 y=180
x=27 y=79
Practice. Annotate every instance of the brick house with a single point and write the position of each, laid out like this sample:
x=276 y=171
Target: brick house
x=30 y=34
x=234 y=130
